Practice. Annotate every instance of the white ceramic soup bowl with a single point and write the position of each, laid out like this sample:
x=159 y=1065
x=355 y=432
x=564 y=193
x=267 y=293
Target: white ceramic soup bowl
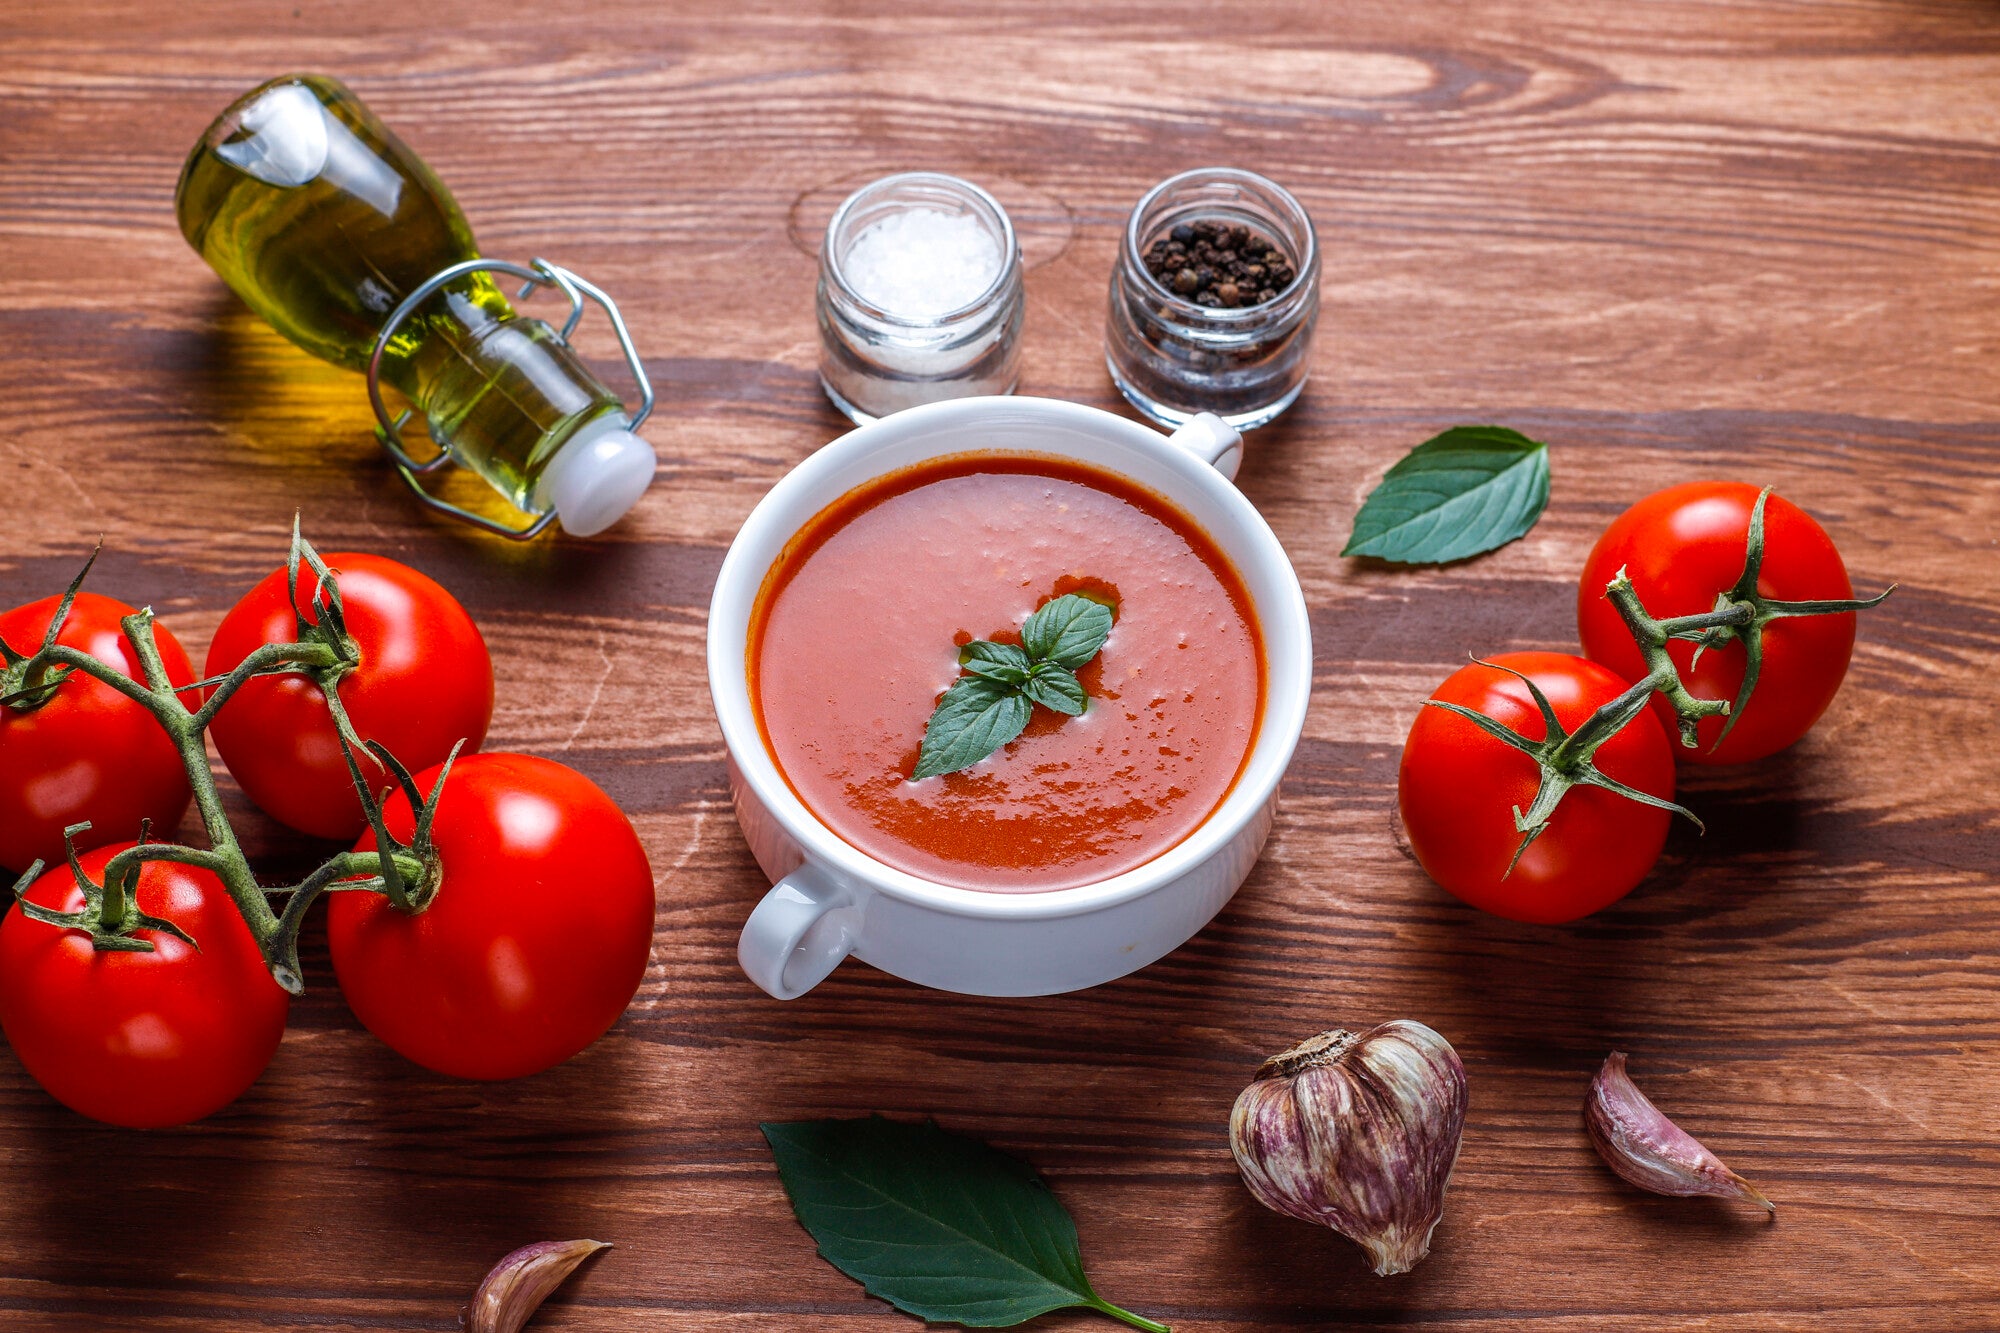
x=829 y=900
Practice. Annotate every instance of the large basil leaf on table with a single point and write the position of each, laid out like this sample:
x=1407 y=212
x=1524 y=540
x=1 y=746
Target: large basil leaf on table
x=938 y=1225
x=1467 y=491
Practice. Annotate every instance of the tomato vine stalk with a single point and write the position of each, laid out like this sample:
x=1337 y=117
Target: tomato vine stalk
x=406 y=872
x=1741 y=614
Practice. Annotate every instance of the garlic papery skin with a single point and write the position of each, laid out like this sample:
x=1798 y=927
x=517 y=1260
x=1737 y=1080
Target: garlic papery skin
x=519 y=1283
x=1358 y=1132
x=1636 y=1140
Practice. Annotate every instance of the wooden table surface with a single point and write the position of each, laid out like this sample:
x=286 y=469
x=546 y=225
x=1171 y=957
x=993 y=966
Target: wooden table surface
x=1676 y=240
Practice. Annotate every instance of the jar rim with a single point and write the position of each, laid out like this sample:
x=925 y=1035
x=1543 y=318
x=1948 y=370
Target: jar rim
x=1301 y=220
x=1010 y=251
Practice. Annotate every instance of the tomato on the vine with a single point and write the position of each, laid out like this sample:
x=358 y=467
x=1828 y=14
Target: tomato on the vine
x=88 y=753
x=140 y=1039
x=1682 y=548
x=538 y=935
x=1459 y=788
x=424 y=683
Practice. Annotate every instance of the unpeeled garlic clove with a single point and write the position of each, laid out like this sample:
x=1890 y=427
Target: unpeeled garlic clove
x=519 y=1283
x=1358 y=1132
x=1636 y=1140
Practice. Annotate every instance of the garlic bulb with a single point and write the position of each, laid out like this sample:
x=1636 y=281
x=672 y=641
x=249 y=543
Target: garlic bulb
x=1358 y=1132
x=1636 y=1140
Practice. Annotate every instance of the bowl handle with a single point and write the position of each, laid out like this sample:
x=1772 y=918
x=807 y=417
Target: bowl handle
x=799 y=933
x=1212 y=440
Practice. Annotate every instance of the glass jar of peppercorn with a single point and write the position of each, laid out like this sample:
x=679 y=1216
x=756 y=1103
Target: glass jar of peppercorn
x=1213 y=299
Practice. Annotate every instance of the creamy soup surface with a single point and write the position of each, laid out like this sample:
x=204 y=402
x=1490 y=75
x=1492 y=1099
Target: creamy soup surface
x=856 y=634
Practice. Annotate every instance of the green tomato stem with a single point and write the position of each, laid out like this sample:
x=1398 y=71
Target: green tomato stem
x=281 y=952
x=1651 y=637
x=394 y=869
x=79 y=661
x=1567 y=759
x=1740 y=615
x=270 y=657
x=119 y=907
x=1731 y=616
x=115 y=906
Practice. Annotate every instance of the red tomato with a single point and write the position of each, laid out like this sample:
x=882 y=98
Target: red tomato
x=1459 y=786
x=425 y=683
x=1684 y=546
x=89 y=753
x=140 y=1039
x=538 y=936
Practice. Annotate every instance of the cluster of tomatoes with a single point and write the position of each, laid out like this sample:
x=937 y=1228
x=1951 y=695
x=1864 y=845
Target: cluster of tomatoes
x=1461 y=789
x=535 y=941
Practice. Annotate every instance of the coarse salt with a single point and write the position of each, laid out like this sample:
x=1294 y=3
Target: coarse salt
x=922 y=262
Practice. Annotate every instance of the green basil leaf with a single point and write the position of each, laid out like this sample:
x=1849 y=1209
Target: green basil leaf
x=1052 y=687
x=976 y=717
x=996 y=661
x=939 y=1225
x=1068 y=631
x=1469 y=490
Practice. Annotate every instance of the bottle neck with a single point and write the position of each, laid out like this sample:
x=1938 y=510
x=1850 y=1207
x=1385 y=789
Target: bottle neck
x=440 y=338
x=503 y=394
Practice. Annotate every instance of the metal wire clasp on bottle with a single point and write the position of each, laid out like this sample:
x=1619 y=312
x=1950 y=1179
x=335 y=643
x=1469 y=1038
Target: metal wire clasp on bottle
x=539 y=273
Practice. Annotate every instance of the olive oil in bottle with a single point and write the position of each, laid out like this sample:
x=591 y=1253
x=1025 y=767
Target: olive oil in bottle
x=323 y=221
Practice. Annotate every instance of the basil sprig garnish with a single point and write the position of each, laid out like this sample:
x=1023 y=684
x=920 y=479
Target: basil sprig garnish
x=990 y=704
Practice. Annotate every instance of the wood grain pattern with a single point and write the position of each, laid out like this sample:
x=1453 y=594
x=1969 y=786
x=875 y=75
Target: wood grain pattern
x=1675 y=239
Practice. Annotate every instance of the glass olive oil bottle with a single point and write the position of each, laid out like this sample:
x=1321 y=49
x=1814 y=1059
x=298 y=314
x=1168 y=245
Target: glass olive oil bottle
x=323 y=221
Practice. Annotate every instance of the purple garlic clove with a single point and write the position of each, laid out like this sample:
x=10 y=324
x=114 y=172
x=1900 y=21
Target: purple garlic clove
x=1358 y=1133
x=1637 y=1141
x=519 y=1283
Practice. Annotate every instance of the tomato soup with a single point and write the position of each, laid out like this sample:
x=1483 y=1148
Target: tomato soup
x=856 y=634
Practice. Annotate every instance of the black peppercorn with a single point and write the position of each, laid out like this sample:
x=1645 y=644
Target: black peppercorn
x=1218 y=264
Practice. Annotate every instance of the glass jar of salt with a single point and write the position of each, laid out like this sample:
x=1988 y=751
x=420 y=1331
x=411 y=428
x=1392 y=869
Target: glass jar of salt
x=920 y=296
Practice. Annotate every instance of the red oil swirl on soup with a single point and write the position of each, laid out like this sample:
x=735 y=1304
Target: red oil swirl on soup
x=856 y=633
